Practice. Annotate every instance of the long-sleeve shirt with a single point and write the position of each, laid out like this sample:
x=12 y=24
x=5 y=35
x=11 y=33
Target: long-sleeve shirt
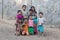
x=20 y=16
x=41 y=21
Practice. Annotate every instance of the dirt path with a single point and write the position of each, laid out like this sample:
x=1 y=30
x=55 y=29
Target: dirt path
x=7 y=33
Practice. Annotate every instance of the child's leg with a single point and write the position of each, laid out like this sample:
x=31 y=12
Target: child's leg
x=16 y=26
x=43 y=33
x=35 y=29
x=38 y=32
x=41 y=29
x=18 y=30
x=38 y=29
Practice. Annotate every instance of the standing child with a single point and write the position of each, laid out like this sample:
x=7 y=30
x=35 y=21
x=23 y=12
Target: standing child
x=35 y=22
x=19 y=21
x=25 y=28
x=41 y=21
x=24 y=11
x=30 y=28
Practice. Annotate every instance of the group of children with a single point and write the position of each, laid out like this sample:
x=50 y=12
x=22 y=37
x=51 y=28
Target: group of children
x=27 y=23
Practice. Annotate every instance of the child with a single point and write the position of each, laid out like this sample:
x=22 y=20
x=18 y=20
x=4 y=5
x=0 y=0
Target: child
x=24 y=11
x=30 y=24
x=25 y=28
x=35 y=22
x=41 y=21
x=31 y=13
x=19 y=21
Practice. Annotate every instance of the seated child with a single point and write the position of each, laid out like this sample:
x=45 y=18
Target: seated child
x=19 y=21
x=25 y=28
x=30 y=25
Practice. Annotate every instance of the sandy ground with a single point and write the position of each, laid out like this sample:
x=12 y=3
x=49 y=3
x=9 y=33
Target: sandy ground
x=7 y=33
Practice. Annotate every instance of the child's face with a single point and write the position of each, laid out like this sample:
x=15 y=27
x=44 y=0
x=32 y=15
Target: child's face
x=30 y=17
x=25 y=20
x=30 y=11
x=32 y=8
x=19 y=13
x=41 y=15
x=24 y=8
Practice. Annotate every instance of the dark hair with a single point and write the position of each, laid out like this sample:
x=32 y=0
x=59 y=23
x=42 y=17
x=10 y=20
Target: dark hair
x=31 y=10
x=19 y=11
x=34 y=8
x=23 y=6
x=40 y=13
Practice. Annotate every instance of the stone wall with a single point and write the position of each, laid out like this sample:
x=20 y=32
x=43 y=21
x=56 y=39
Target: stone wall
x=50 y=9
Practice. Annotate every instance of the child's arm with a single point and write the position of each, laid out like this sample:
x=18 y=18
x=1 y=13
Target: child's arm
x=37 y=20
x=16 y=18
x=44 y=20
